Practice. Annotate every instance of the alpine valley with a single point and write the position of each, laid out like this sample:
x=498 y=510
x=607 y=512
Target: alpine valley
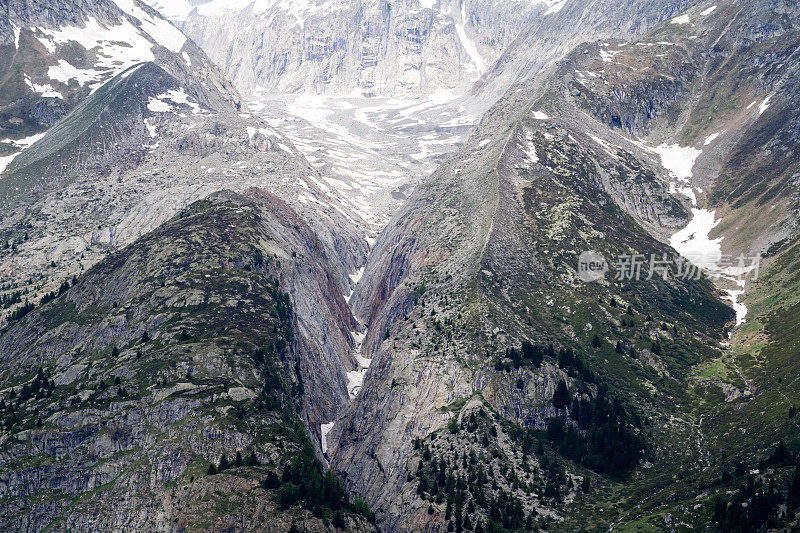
x=317 y=265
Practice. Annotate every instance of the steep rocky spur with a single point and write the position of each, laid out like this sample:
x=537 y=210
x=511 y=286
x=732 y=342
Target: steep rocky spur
x=175 y=357
x=622 y=148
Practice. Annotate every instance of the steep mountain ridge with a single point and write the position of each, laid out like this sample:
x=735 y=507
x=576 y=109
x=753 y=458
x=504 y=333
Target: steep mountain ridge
x=485 y=256
x=181 y=351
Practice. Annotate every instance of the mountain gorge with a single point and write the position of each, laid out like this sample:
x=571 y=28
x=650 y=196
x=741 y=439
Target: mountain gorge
x=357 y=297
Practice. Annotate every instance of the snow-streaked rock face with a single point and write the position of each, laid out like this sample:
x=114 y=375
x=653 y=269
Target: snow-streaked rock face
x=373 y=93
x=564 y=26
x=369 y=47
x=117 y=33
x=60 y=53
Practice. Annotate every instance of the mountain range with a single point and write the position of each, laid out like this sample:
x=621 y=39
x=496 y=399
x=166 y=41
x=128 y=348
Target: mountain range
x=569 y=304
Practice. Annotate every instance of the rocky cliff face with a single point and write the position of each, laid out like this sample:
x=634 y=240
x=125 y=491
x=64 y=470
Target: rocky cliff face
x=368 y=47
x=182 y=350
x=403 y=48
x=550 y=38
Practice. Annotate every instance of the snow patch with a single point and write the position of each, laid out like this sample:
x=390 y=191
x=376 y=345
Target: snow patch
x=131 y=71
x=765 y=104
x=708 y=11
x=608 y=55
x=555 y=8
x=693 y=243
x=266 y=132
x=176 y=96
x=151 y=128
x=686 y=191
x=683 y=19
x=469 y=46
x=179 y=96
x=45 y=90
x=160 y=30
x=116 y=48
x=678 y=160
x=355 y=378
x=21 y=143
x=324 y=429
x=711 y=138
x=607 y=147
x=739 y=307
x=355 y=278
x=530 y=150
x=64 y=72
x=158 y=106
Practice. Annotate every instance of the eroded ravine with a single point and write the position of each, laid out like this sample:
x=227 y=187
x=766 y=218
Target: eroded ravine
x=355 y=377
